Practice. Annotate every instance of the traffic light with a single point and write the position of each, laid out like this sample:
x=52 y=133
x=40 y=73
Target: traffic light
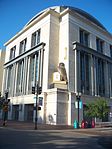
x=33 y=90
x=39 y=89
x=39 y=108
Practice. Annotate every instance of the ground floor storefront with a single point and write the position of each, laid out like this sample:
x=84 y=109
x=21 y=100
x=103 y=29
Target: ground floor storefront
x=57 y=106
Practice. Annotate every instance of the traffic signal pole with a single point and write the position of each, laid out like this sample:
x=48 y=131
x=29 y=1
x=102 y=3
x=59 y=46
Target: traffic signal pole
x=36 y=110
x=37 y=89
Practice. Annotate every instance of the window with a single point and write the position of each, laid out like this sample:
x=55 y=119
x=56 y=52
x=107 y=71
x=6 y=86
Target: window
x=35 y=38
x=110 y=50
x=33 y=72
x=84 y=37
x=20 y=77
x=9 y=78
x=99 y=45
x=100 y=76
x=85 y=72
x=12 y=52
x=22 y=47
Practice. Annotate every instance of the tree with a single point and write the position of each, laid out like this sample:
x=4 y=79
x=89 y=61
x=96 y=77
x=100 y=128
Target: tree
x=98 y=109
x=101 y=108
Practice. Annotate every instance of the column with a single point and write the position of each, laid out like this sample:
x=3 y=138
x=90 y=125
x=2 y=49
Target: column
x=69 y=109
x=92 y=75
x=27 y=79
x=106 y=82
x=35 y=66
x=76 y=89
x=95 y=77
x=25 y=74
x=15 y=83
x=13 y=79
x=4 y=80
x=78 y=72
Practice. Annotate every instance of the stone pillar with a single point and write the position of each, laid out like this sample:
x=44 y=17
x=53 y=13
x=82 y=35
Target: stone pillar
x=13 y=80
x=92 y=75
x=78 y=72
x=106 y=81
x=69 y=108
x=15 y=83
x=95 y=77
x=25 y=74
x=76 y=89
x=27 y=80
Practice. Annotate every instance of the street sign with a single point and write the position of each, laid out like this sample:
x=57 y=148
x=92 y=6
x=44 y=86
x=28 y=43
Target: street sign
x=80 y=104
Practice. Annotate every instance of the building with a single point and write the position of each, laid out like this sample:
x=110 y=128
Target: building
x=2 y=61
x=58 y=35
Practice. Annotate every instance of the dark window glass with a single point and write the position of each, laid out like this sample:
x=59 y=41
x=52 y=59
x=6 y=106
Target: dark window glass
x=35 y=38
x=84 y=37
x=12 y=52
x=22 y=47
x=99 y=45
x=110 y=50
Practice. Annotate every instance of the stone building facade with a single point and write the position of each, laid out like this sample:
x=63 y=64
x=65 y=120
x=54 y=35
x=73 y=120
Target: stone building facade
x=56 y=35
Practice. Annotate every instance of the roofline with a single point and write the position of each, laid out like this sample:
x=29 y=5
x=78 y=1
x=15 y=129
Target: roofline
x=49 y=11
x=68 y=10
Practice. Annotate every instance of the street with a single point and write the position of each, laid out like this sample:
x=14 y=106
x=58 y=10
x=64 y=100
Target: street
x=46 y=139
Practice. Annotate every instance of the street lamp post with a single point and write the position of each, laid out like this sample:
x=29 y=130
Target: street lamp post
x=78 y=95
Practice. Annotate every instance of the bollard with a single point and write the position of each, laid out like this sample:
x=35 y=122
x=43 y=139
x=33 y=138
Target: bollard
x=75 y=124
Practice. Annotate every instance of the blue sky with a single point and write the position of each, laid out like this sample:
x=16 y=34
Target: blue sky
x=14 y=14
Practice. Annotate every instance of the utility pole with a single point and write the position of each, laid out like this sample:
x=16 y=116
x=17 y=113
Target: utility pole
x=37 y=88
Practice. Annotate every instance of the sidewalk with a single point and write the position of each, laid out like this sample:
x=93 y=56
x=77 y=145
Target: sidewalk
x=31 y=126
x=20 y=125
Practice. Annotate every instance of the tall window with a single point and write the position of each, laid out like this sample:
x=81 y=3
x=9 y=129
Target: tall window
x=110 y=78
x=85 y=72
x=12 y=52
x=110 y=50
x=84 y=37
x=35 y=38
x=22 y=47
x=99 y=45
x=33 y=72
x=20 y=77
x=100 y=76
x=9 y=78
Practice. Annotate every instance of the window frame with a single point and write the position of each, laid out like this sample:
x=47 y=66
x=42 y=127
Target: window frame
x=35 y=40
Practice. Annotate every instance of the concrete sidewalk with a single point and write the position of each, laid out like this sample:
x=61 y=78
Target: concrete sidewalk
x=20 y=125
x=31 y=126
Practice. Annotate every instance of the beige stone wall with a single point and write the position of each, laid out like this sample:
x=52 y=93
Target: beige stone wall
x=53 y=55
x=2 y=60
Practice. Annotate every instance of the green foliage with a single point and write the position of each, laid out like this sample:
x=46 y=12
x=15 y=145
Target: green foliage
x=98 y=109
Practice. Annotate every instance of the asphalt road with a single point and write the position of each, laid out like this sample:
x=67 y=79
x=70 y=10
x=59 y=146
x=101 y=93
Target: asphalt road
x=47 y=139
